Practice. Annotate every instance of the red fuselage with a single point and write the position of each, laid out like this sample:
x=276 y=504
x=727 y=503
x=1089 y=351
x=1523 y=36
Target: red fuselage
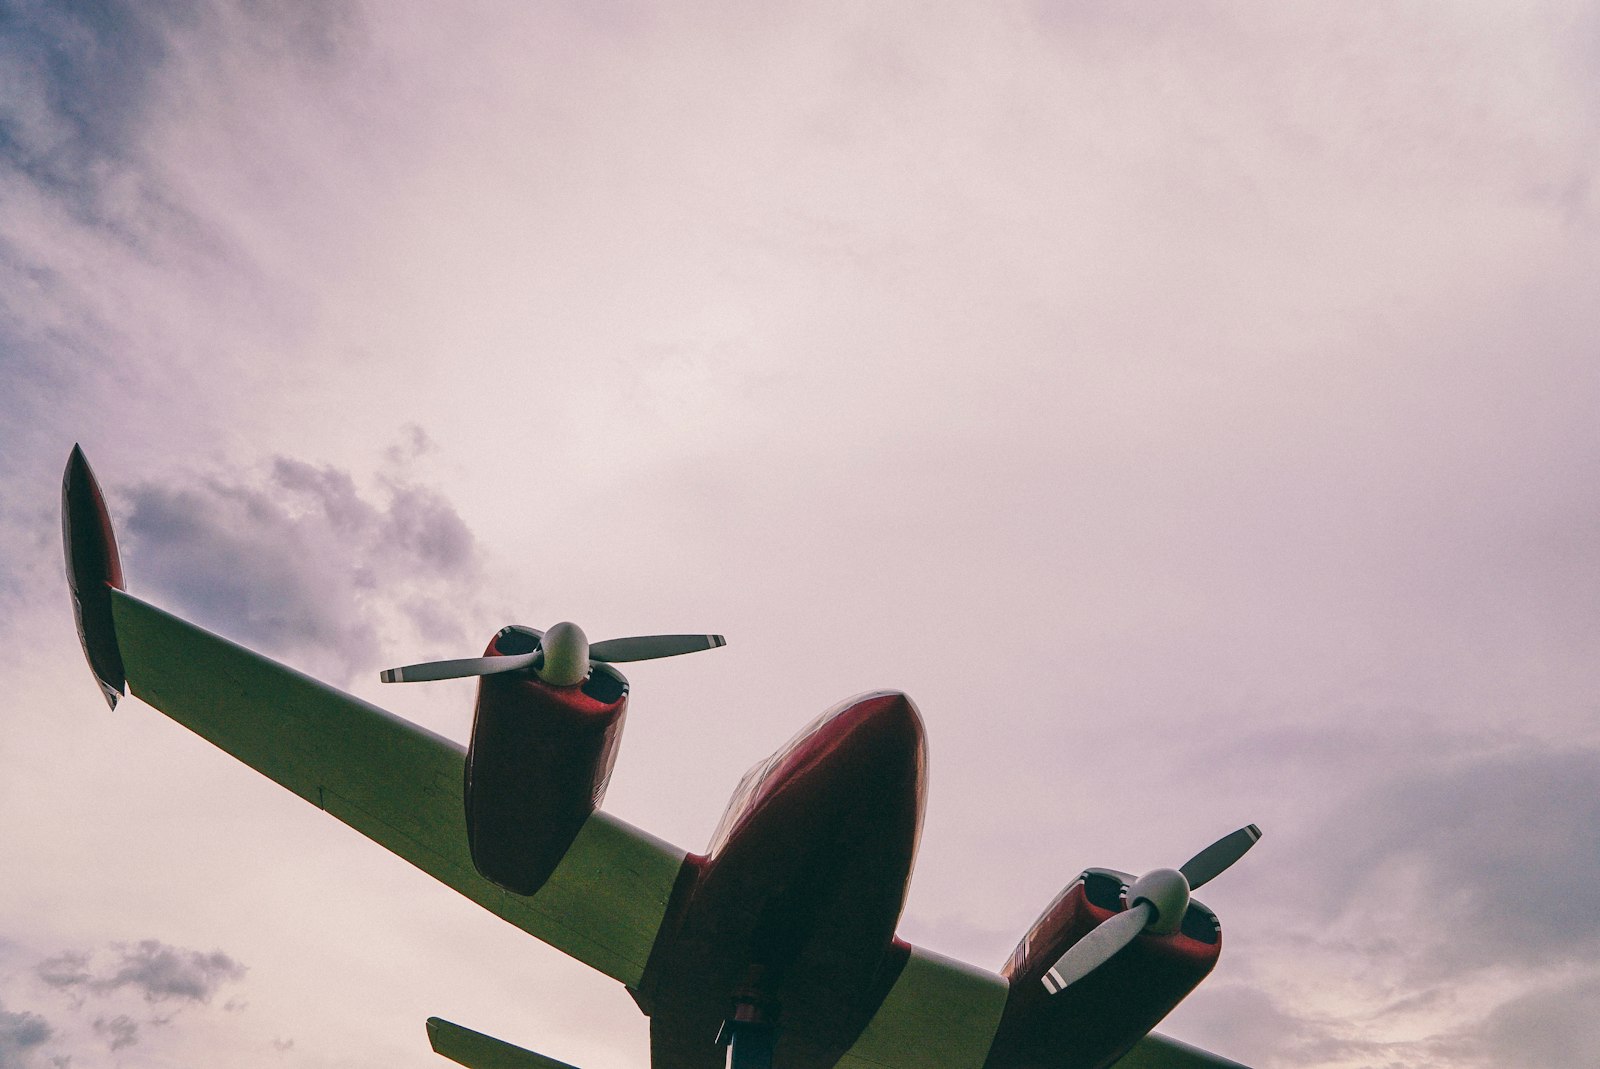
x=793 y=909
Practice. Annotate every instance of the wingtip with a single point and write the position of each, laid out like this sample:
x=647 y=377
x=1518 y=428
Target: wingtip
x=391 y=675
x=717 y=640
x=94 y=569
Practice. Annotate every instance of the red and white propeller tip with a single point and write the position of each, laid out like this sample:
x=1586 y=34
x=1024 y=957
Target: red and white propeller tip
x=561 y=658
x=1157 y=902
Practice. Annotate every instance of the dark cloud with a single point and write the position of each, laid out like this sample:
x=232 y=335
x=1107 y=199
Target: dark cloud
x=119 y=1031
x=101 y=207
x=1434 y=872
x=235 y=560
x=1546 y=1025
x=113 y=998
x=417 y=520
x=426 y=526
x=1553 y=1026
x=20 y=1034
x=150 y=968
x=333 y=491
x=1450 y=885
x=1496 y=857
x=299 y=562
x=84 y=79
x=84 y=72
x=1257 y=1027
x=414 y=442
x=66 y=971
x=162 y=972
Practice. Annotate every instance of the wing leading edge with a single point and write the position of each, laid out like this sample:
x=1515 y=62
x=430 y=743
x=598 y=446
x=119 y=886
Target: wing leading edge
x=394 y=782
x=1158 y=1052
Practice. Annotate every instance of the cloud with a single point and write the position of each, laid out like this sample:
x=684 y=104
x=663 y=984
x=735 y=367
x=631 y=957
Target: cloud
x=1258 y=1027
x=111 y=251
x=66 y=971
x=150 y=968
x=21 y=1033
x=298 y=561
x=80 y=79
x=1492 y=859
x=119 y=1031
x=84 y=81
x=1429 y=900
x=161 y=972
x=113 y=996
x=1540 y=1026
x=1547 y=1026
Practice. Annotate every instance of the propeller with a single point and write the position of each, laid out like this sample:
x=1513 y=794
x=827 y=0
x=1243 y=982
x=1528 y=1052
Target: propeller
x=466 y=666
x=1157 y=901
x=560 y=658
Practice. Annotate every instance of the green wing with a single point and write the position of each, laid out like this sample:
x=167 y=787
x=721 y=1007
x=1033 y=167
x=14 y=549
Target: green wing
x=940 y=1014
x=400 y=786
x=394 y=782
x=1159 y=1052
x=478 y=1051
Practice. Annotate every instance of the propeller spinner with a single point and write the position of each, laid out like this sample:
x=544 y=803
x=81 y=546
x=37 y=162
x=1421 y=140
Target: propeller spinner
x=561 y=657
x=1157 y=901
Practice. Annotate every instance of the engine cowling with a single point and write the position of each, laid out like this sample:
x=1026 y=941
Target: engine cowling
x=1093 y=1022
x=538 y=765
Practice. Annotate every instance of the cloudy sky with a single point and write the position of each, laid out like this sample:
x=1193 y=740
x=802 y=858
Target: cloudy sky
x=1195 y=407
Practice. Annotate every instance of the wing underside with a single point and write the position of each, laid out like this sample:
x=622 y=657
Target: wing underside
x=394 y=782
x=940 y=1014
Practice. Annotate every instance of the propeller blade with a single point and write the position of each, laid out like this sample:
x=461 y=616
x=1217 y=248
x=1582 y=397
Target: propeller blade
x=651 y=647
x=1215 y=859
x=1098 y=947
x=468 y=666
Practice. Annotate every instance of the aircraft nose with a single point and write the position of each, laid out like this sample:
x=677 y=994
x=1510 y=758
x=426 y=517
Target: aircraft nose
x=889 y=710
x=887 y=772
x=886 y=729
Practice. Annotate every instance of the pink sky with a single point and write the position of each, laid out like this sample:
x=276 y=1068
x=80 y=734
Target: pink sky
x=1194 y=408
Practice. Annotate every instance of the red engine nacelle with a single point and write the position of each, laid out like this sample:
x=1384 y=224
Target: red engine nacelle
x=1093 y=1022
x=538 y=764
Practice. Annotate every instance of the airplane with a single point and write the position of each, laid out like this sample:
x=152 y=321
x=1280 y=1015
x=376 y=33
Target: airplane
x=776 y=948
